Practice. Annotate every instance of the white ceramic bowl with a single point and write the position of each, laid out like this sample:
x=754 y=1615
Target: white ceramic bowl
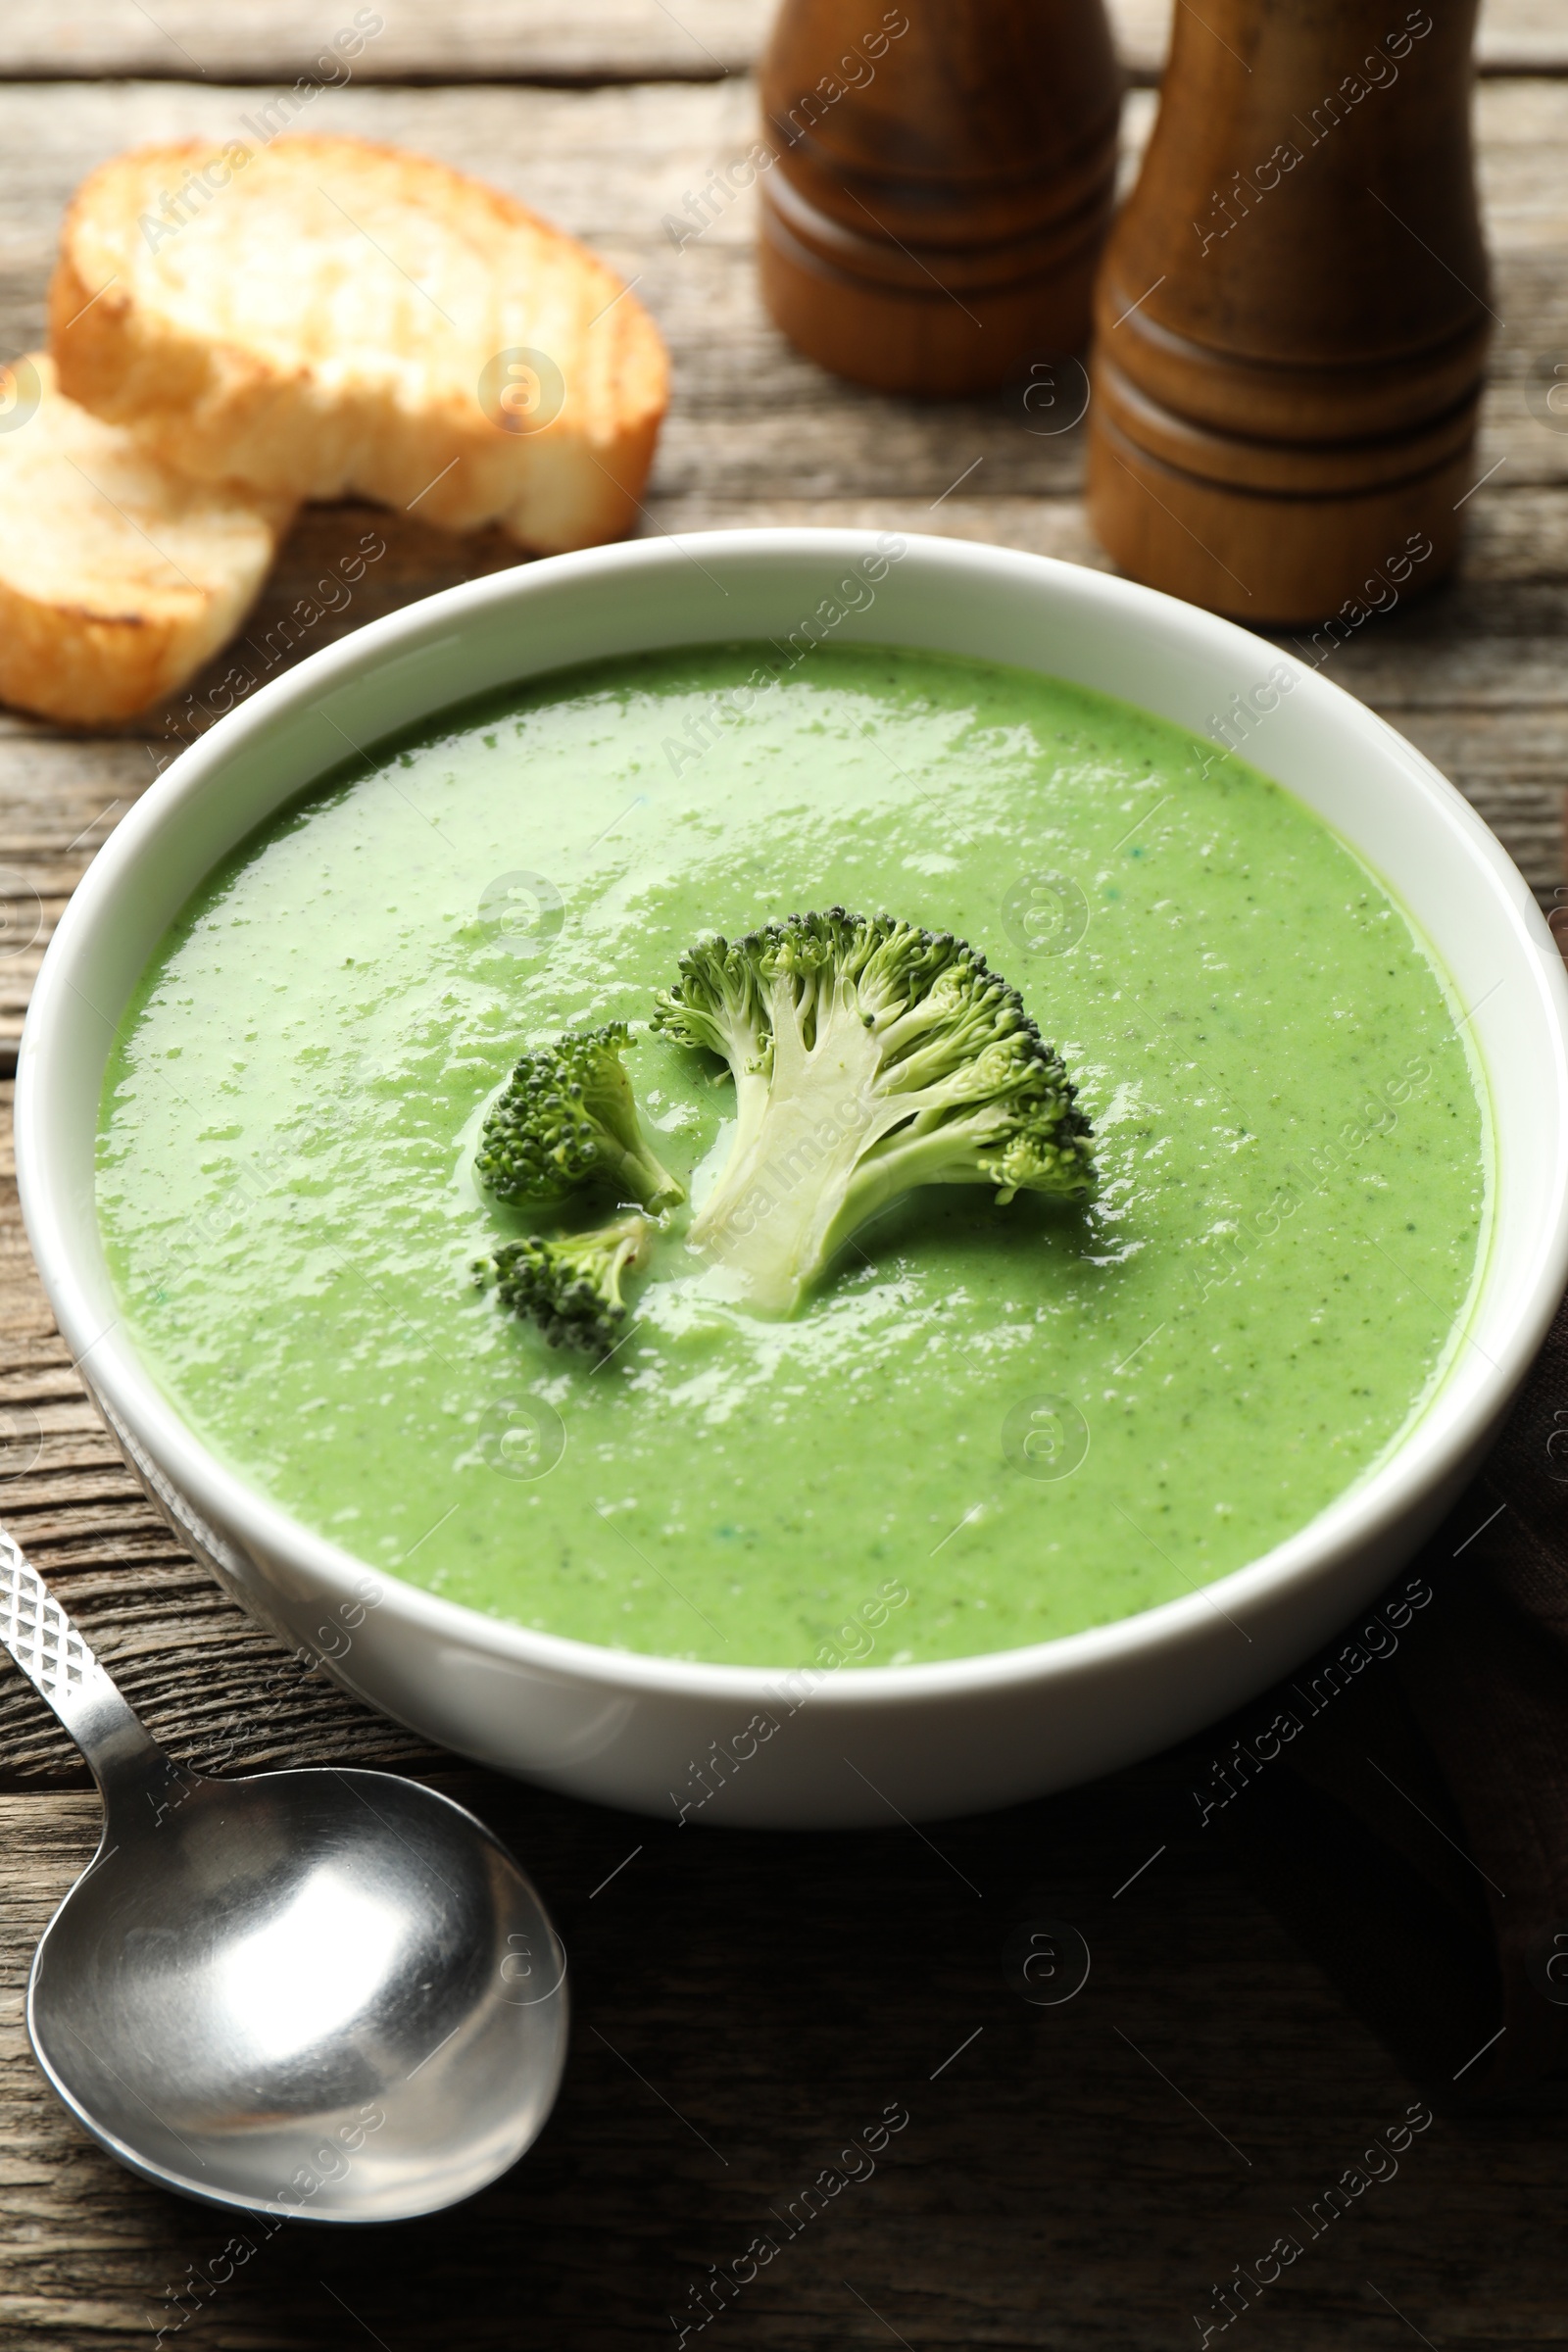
x=928 y=1740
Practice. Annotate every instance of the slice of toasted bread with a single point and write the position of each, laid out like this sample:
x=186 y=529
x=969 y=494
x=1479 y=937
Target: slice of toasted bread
x=322 y=317
x=118 y=578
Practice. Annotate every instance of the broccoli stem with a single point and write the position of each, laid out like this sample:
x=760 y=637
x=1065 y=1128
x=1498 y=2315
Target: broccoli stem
x=870 y=1056
x=775 y=1215
x=638 y=1176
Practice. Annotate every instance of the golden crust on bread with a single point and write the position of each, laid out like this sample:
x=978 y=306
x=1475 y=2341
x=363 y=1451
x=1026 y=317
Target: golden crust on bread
x=322 y=317
x=118 y=578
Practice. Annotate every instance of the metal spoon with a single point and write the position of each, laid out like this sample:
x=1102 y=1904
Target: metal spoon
x=330 y=1993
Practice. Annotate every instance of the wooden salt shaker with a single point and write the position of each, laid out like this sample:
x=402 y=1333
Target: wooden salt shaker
x=939 y=185
x=1292 y=315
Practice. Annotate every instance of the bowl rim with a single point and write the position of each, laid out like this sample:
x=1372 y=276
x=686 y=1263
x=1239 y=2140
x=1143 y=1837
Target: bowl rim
x=1355 y=1518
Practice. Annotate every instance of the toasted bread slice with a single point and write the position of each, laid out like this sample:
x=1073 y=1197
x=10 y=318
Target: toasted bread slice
x=118 y=578
x=322 y=317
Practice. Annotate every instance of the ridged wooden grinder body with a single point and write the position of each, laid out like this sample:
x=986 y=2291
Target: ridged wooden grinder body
x=1291 y=314
x=941 y=185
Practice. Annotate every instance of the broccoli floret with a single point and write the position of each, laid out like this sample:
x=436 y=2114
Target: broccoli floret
x=567 y=1122
x=569 y=1284
x=870 y=1056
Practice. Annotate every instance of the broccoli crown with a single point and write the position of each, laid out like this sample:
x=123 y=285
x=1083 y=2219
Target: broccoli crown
x=870 y=1056
x=569 y=1284
x=567 y=1122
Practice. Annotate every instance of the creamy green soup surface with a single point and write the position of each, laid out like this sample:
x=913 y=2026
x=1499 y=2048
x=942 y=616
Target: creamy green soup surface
x=988 y=1425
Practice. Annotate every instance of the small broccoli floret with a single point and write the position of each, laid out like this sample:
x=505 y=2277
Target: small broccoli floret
x=870 y=1056
x=569 y=1284
x=567 y=1122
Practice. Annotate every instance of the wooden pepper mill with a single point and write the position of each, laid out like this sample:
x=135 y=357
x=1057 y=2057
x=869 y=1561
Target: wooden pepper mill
x=940 y=184
x=1290 y=318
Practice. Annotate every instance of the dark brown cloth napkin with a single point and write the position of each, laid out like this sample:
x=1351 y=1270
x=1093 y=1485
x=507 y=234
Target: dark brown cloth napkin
x=1413 y=1834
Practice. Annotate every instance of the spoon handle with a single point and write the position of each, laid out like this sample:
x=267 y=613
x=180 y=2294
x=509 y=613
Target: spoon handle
x=123 y=1754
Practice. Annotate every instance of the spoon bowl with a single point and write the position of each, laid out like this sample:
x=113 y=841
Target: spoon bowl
x=327 y=1993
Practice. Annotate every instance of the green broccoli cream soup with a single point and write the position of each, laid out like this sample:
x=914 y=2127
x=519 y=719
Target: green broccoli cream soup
x=983 y=1420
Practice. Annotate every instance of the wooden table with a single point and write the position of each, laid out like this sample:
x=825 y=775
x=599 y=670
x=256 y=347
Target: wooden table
x=1069 y=2174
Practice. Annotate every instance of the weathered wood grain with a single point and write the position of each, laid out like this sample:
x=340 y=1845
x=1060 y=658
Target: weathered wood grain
x=276 y=40
x=545 y=41
x=1052 y=2187
x=744 y=2005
